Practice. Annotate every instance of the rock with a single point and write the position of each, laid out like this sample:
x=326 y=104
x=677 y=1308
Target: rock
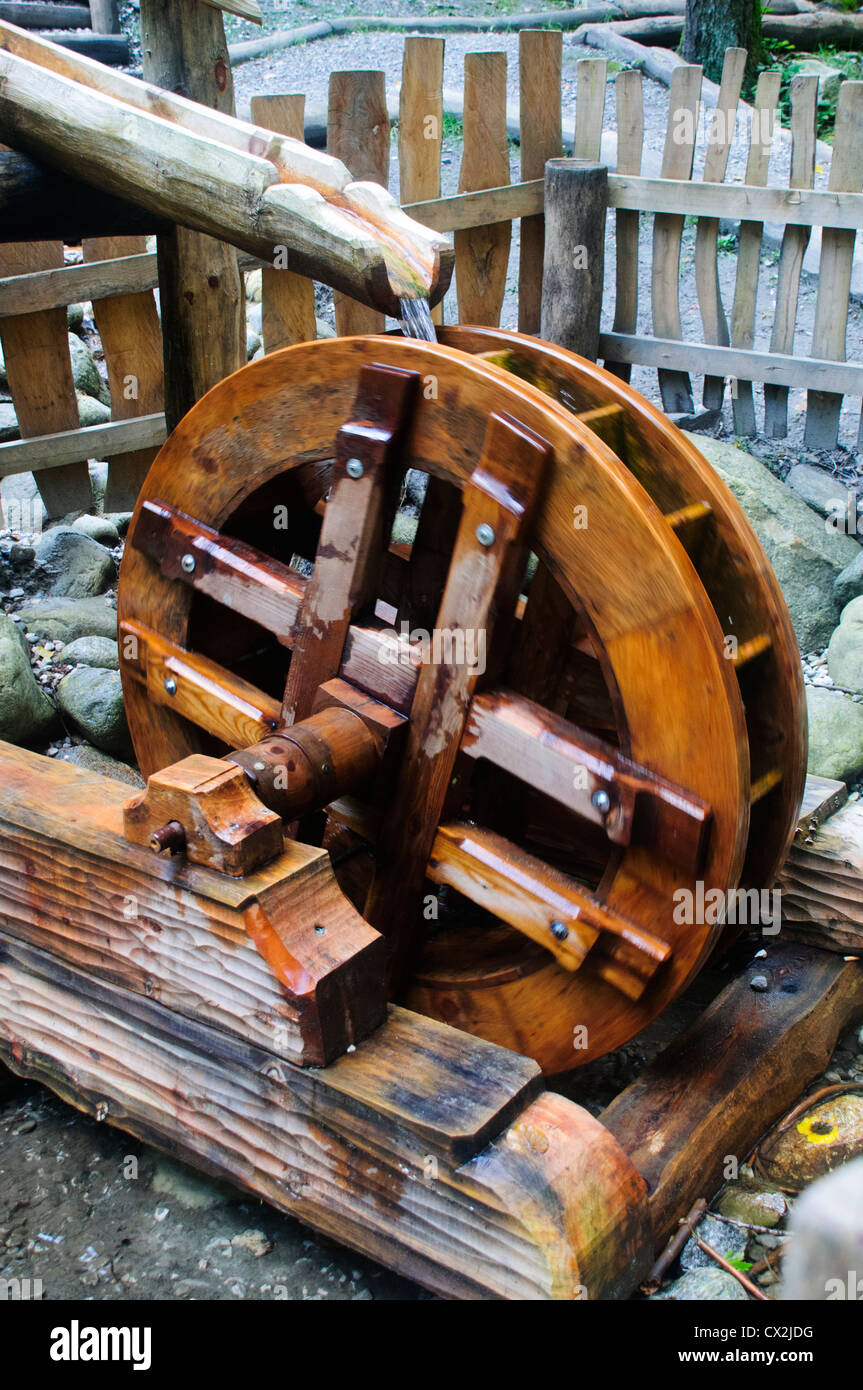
x=760 y=984
x=849 y=584
x=8 y=422
x=76 y=566
x=98 y=528
x=711 y=1282
x=91 y=411
x=64 y=619
x=845 y=651
x=93 y=701
x=75 y=317
x=99 y=484
x=101 y=652
x=819 y=490
x=256 y=1242
x=254 y=287
x=830 y=79
x=20 y=555
x=26 y=713
x=821 y=1140
x=730 y=1241
x=806 y=553
x=324 y=329
x=82 y=755
x=253 y=343
x=191 y=1189
x=835 y=734
x=120 y=520
x=85 y=373
x=756 y=1208
x=825 y=1252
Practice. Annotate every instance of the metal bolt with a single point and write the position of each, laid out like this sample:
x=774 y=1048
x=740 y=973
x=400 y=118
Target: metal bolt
x=170 y=685
x=601 y=801
x=559 y=931
x=325 y=769
x=187 y=564
x=170 y=836
x=485 y=533
x=354 y=468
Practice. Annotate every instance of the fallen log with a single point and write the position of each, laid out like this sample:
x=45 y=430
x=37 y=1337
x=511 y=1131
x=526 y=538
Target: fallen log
x=805 y=31
x=31 y=15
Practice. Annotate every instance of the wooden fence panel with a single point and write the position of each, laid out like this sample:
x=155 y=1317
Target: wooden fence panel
x=837 y=259
x=482 y=253
x=39 y=371
x=358 y=133
x=540 y=53
x=132 y=343
x=719 y=141
x=421 y=124
x=287 y=300
x=629 y=101
x=591 y=76
x=749 y=247
x=677 y=161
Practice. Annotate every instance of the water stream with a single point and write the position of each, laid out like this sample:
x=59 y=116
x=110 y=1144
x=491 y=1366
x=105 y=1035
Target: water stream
x=416 y=320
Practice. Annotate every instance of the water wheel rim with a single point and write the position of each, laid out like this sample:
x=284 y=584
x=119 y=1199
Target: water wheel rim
x=301 y=396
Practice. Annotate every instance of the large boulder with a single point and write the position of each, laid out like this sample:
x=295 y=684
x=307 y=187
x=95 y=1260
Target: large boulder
x=26 y=713
x=806 y=552
x=93 y=700
x=75 y=565
x=85 y=373
x=82 y=755
x=850 y=582
x=835 y=734
x=100 y=652
x=104 y=530
x=819 y=490
x=709 y=1283
x=64 y=619
x=845 y=652
x=824 y=1259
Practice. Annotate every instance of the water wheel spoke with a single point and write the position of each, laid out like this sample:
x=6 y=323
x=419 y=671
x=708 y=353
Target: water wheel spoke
x=589 y=776
x=197 y=688
x=539 y=901
x=764 y=784
x=752 y=649
x=609 y=423
x=355 y=533
x=236 y=575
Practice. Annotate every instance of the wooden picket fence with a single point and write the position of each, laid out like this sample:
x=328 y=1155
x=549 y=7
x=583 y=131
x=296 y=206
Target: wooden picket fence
x=118 y=275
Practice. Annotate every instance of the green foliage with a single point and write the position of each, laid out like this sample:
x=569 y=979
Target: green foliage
x=452 y=127
x=785 y=56
x=743 y=1265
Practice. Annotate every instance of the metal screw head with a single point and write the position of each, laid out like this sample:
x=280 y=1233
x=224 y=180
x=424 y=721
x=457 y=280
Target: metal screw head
x=354 y=468
x=170 y=685
x=485 y=534
x=559 y=931
x=326 y=769
x=601 y=801
x=187 y=564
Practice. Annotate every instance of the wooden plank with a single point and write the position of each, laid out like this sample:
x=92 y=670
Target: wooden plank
x=482 y=254
x=822 y=797
x=128 y=326
x=591 y=74
x=486 y=570
x=540 y=54
x=48 y=451
x=243 y=957
x=199 y=689
x=837 y=260
x=421 y=124
x=846 y=377
x=428 y=1151
x=677 y=157
x=201 y=294
x=719 y=139
x=358 y=133
x=246 y=9
x=724 y=1081
x=822 y=881
x=287 y=300
x=629 y=98
x=576 y=201
x=39 y=372
x=749 y=246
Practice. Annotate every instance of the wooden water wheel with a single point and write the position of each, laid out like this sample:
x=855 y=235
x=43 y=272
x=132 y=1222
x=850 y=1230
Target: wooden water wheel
x=597 y=703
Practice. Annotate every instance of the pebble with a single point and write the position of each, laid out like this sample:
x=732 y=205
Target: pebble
x=25 y=1127
x=760 y=984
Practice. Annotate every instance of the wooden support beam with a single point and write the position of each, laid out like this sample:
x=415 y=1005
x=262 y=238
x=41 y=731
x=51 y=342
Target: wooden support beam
x=49 y=451
x=723 y=1082
x=201 y=291
x=822 y=880
x=576 y=198
x=239 y=955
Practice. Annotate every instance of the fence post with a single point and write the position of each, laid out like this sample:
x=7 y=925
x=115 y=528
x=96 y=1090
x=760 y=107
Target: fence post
x=576 y=200
x=104 y=17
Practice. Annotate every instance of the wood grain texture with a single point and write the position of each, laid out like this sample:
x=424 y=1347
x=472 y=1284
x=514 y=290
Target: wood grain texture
x=239 y=954
x=432 y=1153
x=288 y=300
x=39 y=372
x=822 y=888
x=482 y=254
x=420 y=138
x=724 y=1081
x=629 y=98
x=683 y=103
x=540 y=54
x=128 y=326
x=358 y=133
x=576 y=200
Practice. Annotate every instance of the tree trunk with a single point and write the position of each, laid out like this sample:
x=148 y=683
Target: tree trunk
x=711 y=26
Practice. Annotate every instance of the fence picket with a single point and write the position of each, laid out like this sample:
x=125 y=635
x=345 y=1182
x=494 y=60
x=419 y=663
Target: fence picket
x=629 y=102
x=482 y=253
x=540 y=53
x=358 y=133
x=421 y=124
x=677 y=160
x=591 y=77
x=749 y=246
x=287 y=300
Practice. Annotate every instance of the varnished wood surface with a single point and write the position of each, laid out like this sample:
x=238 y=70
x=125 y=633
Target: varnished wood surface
x=654 y=622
